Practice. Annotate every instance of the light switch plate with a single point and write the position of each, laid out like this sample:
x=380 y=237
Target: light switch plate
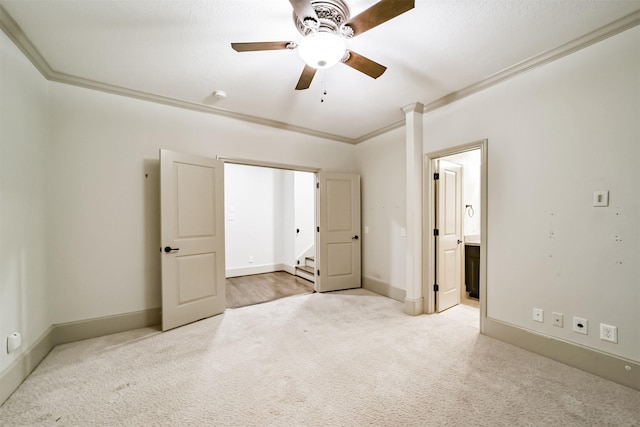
x=600 y=198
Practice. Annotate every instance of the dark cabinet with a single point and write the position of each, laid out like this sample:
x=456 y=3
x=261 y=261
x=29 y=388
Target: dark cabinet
x=472 y=270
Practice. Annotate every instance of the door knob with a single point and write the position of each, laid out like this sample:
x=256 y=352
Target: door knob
x=355 y=237
x=168 y=249
x=459 y=241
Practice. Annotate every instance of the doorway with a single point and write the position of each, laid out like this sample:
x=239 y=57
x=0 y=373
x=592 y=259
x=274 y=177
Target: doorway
x=269 y=219
x=455 y=252
x=269 y=233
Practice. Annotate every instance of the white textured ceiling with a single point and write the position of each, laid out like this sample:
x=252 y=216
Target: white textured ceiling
x=180 y=49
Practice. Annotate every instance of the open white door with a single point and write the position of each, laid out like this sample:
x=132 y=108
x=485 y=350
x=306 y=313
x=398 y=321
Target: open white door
x=192 y=237
x=338 y=262
x=448 y=242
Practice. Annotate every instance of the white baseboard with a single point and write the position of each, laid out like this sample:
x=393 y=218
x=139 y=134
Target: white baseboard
x=610 y=367
x=19 y=370
x=414 y=307
x=92 y=328
x=383 y=288
x=288 y=268
x=259 y=269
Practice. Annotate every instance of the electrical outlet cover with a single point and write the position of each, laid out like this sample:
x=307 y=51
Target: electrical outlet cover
x=538 y=315
x=608 y=333
x=580 y=325
x=558 y=319
x=13 y=342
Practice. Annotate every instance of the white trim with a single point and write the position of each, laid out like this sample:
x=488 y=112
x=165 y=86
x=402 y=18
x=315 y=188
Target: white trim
x=608 y=366
x=19 y=370
x=602 y=33
x=384 y=289
x=262 y=164
x=414 y=242
x=259 y=269
x=13 y=31
x=414 y=307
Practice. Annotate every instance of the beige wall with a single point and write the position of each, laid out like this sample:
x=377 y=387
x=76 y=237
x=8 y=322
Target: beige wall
x=24 y=151
x=381 y=164
x=105 y=218
x=557 y=134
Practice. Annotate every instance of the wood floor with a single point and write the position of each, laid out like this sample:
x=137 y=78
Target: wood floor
x=255 y=289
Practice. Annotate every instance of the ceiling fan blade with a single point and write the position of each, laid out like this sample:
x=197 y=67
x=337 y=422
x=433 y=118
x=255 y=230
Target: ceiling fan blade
x=303 y=9
x=365 y=65
x=305 y=78
x=379 y=13
x=254 y=46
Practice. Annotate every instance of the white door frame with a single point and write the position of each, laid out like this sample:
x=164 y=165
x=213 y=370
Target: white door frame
x=429 y=224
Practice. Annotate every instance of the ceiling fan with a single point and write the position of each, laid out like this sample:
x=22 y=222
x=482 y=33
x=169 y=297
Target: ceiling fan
x=325 y=25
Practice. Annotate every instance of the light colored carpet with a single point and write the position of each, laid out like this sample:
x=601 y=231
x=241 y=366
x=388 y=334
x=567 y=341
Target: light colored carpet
x=340 y=359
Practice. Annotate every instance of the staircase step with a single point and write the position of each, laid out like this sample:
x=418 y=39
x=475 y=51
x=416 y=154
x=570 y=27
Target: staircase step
x=306 y=272
x=310 y=261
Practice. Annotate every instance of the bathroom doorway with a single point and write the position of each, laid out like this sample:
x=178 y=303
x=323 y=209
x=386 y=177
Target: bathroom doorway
x=455 y=181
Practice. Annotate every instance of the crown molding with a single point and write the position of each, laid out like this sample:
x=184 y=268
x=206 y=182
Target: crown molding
x=15 y=33
x=602 y=33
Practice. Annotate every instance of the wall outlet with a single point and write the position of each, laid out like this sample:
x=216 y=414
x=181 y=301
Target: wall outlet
x=558 y=319
x=608 y=333
x=580 y=325
x=14 y=341
x=250 y=260
x=538 y=315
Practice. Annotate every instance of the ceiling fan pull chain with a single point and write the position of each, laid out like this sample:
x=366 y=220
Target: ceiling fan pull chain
x=324 y=86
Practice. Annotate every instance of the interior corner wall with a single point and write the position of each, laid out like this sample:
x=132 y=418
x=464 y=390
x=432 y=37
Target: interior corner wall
x=24 y=152
x=381 y=165
x=557 y=134
x=258 y=219
x=104 y=179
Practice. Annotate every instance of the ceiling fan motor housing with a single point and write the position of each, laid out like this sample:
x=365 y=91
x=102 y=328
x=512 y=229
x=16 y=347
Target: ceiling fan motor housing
x=332 y=15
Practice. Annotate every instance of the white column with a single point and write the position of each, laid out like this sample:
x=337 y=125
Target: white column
x=414 y=301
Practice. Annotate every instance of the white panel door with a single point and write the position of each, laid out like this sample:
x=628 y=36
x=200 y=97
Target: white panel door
x=192 y=236
x=338 y=261
x=449 y=225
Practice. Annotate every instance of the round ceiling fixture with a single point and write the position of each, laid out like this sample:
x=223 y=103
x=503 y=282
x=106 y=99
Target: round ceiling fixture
x=322 y=49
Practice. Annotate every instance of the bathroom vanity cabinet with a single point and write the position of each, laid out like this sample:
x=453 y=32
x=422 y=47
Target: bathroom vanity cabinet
x=472 y=269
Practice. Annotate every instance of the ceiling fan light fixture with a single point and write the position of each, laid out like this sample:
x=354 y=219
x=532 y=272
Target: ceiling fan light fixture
x=321 y=49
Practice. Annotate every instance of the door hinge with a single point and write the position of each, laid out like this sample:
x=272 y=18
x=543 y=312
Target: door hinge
x=436 y=232
x=317 y=185
x=436 y=176
x=318 y=229
x=318 y=273
x=436 y=288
